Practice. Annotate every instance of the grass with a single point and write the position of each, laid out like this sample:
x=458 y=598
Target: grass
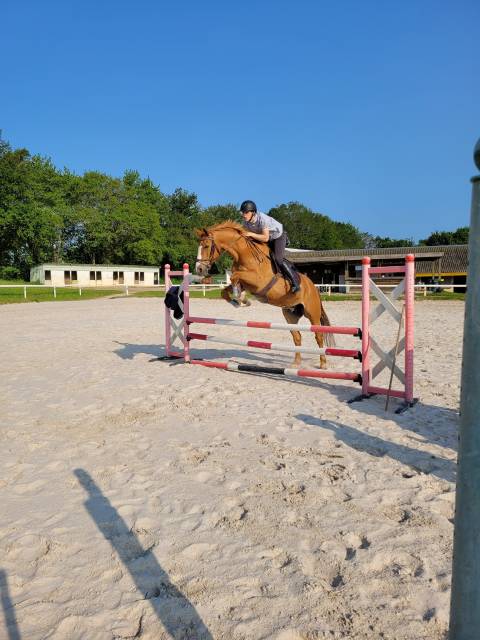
x=19 y=282
x=211 y=295
x=44 y=294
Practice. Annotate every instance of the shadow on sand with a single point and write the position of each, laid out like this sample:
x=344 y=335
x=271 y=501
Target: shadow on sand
x=176 y=613
x=435 y=424
x=8 y=609
x=419 y=461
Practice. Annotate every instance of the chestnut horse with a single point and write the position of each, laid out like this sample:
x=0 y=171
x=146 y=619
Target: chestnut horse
x=254 y=271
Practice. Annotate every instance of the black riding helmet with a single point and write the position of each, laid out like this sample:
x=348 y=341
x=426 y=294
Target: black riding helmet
x=248 y=205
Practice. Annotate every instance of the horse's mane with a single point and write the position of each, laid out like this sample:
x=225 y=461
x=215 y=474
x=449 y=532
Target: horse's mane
x=228 y=224
x=258 y=250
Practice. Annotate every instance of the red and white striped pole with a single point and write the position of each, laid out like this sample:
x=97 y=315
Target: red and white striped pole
x=365 y=325
x=409 y=324
x=168 y=340
x=186 y=311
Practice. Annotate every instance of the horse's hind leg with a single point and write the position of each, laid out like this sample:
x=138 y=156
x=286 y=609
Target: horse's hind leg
x=293 y=318
x=313 y=312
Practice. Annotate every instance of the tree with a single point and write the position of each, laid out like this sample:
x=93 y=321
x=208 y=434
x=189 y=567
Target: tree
x=309 y=230
x=460 y=236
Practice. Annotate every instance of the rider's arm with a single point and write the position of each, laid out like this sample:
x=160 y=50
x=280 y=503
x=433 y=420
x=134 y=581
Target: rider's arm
x=261 y=237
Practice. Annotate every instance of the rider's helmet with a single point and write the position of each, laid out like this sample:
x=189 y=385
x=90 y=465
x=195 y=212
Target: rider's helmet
x=248 y=205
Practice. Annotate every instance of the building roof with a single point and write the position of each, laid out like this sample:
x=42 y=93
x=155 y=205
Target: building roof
x=78 y=267
x=445 y=259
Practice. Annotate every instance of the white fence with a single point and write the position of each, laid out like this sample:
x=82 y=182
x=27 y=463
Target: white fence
x=125 y=289
x=423 y=288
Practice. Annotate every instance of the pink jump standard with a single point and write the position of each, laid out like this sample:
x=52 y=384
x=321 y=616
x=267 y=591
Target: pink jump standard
x=180 y=331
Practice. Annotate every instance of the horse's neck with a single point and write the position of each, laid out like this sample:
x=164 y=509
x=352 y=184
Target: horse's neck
x=244 y=253
x=252 y=254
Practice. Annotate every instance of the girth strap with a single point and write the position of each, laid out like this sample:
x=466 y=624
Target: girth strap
x=266 y=289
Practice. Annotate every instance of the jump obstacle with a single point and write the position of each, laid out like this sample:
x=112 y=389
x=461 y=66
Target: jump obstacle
x=179 y=331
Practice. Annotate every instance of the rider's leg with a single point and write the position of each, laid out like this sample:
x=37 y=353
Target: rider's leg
x=289 y=273
x=292 y=275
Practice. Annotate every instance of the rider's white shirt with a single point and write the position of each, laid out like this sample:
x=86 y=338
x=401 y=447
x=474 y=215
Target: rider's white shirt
x=262 y=221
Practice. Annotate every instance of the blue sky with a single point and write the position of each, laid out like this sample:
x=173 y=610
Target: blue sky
x=364 y=111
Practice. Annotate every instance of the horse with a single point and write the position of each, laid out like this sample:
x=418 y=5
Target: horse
x=255 y=271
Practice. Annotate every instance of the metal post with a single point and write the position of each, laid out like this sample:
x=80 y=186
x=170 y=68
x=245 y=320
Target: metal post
x=465 y=598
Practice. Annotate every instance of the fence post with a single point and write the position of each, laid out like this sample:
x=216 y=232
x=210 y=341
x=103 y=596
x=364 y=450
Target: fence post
x=365 y=325
x=25 y=292
x=465 y=599
x=54 y=292
x=186 y=309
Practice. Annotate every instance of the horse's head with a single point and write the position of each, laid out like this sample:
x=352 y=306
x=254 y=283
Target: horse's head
x=208 y=252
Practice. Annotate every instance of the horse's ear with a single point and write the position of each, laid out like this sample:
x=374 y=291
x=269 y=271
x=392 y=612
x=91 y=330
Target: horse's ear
x=200 y=233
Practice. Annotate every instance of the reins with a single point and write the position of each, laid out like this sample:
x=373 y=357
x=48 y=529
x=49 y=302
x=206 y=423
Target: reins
x=254 y=247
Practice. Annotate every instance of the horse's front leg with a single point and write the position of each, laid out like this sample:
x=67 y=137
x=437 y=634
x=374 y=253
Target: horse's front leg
x=244 y=301
x=232 y=294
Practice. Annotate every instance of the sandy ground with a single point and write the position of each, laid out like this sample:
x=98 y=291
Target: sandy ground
x=143 y=500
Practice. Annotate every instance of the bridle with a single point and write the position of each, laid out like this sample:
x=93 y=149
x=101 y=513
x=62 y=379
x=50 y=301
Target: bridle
x=207 y=261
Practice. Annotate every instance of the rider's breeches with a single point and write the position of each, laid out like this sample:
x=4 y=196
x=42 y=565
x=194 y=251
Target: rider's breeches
x=278 y=248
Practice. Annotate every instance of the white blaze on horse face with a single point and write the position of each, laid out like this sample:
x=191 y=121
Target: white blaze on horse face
x=200 y=267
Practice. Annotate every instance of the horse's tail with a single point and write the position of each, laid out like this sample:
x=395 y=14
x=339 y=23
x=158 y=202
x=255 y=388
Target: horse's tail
x=329 y=338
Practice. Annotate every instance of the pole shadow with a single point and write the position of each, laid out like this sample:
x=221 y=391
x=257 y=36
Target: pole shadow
x=176 y=613
x=419 y=461
x=436 y=424
x=8 y=609
x=129 y=351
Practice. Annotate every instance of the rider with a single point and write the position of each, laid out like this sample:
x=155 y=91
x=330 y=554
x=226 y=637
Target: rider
x=266 y=229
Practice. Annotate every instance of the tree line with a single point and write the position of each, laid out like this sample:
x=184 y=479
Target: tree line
x=52 y=215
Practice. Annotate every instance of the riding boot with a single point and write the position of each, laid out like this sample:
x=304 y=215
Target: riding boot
x=291 y=275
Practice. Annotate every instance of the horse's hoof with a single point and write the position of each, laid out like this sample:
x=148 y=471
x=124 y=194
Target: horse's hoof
x=235 y=303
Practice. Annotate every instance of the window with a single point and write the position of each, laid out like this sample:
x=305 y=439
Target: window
x=74 y=276
x=67 y=278
x=353 y=270
x=118 y=277
x=48 y=275
x=99 y=276
x=139 y=277
x=92 y=275
x=155 y=277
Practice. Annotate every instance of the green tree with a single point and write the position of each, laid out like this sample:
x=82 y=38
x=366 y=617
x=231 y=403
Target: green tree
x=382 y=243
x=309 y=230
x=460 y=236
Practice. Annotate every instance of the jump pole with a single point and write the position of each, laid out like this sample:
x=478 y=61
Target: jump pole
x=386 y=304
x=465 y=598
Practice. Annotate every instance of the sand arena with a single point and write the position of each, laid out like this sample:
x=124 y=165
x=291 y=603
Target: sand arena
x=142 y=500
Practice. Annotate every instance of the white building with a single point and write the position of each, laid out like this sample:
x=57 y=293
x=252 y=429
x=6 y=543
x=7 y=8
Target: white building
x=94 y=275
